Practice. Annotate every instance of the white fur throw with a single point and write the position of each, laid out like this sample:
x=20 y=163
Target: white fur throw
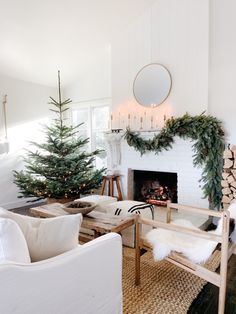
x=195 y=249
x=232 y=210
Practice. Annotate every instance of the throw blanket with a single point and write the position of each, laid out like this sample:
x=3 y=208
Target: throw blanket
x=198 y=250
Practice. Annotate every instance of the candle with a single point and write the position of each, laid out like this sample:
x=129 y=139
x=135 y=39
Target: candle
x=129 y=120
x=151 y=122
x=111 y=120
x=134 y=124
x=145 y=120
x=141 y=123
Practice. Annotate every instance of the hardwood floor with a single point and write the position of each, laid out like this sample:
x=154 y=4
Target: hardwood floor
x=207 y=300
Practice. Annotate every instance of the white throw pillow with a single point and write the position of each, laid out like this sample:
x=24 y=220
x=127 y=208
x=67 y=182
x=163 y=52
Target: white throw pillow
x=126 y=208
x=13 y=246
x=102 y=201
x=47 y=237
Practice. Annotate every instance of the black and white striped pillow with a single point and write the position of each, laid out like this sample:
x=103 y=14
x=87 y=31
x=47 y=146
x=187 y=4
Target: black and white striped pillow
x=124 y=208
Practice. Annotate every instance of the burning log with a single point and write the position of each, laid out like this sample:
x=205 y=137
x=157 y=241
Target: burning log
x=157 y=202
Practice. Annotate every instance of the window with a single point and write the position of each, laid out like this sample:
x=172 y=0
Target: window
x=95 y=118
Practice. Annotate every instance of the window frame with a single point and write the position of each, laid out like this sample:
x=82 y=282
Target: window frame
x=90 y=105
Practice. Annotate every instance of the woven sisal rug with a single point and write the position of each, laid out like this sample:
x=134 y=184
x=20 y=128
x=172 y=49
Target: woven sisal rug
x=164 y=288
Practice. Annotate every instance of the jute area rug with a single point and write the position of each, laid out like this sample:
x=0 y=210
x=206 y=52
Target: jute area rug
x=165 y=288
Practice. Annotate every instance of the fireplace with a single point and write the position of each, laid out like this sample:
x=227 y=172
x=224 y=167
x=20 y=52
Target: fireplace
x=154 y=187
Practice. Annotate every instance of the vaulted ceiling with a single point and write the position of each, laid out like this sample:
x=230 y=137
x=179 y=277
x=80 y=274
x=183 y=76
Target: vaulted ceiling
x=39 y=37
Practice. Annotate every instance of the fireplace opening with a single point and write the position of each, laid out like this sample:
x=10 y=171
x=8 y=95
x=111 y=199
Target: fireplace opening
x=155 y=187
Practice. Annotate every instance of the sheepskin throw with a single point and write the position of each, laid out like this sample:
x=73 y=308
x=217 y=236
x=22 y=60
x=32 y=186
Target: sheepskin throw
x=196 y=249
x=165 y=241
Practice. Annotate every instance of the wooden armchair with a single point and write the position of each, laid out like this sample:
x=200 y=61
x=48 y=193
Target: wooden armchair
x=179 y=260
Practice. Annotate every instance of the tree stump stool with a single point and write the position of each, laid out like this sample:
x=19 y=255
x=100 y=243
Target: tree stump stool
x=111 y=180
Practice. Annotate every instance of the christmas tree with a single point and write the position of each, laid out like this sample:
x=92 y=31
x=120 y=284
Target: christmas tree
x=60 y=167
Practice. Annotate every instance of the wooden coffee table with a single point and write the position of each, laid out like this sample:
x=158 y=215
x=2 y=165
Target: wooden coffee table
x=98 y=222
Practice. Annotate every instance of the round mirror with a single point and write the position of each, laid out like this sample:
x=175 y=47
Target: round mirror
x=152 y=85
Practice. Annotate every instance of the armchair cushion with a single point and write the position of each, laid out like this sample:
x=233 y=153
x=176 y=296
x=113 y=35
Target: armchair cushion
x=13 y=246
x=47 y=237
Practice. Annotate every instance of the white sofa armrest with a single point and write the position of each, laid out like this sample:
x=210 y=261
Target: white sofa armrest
x=85 y=280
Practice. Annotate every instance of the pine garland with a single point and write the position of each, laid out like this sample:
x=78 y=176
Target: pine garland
x=208 y=136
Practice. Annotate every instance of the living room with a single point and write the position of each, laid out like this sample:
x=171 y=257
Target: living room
x=100 y=47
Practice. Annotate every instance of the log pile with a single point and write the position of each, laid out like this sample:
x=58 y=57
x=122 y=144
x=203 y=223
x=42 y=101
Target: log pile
x=228 y=181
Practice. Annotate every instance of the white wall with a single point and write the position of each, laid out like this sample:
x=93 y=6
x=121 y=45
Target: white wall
x=174 y=33
x=94 y=80
x=222 y=65
x=27 y=106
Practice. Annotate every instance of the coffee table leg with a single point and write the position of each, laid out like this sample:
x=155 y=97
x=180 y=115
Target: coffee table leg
x=137 y=251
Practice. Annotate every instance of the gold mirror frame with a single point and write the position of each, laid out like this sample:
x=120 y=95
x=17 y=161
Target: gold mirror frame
x=145 y=87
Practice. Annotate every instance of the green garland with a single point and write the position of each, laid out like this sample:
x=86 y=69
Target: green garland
x=208 y=147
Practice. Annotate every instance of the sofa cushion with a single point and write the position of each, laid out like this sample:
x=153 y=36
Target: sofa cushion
x=47 y=237
x=13 y=245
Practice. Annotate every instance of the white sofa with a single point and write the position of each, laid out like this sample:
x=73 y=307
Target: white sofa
x=85 y=280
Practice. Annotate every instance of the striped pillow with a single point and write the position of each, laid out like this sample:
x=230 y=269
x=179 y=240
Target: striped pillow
x=125 y=208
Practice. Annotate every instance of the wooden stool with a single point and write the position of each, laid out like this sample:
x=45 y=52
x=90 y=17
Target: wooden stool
x=111 y=179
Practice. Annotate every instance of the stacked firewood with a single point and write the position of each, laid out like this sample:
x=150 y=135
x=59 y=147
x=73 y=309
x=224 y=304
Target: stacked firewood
x=228 y=182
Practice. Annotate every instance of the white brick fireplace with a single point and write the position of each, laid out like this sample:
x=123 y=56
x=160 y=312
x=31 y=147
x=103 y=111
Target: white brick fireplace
x=178 y=160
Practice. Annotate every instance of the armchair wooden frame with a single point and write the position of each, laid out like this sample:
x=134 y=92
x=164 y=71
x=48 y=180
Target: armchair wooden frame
x=218 y=279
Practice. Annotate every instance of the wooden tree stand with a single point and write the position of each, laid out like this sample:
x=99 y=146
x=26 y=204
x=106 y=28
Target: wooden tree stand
x=111 y=180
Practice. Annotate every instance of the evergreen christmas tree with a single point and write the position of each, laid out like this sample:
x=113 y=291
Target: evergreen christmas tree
x=60 y=167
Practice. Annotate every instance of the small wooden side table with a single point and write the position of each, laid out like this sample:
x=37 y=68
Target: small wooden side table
x=111 y=180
